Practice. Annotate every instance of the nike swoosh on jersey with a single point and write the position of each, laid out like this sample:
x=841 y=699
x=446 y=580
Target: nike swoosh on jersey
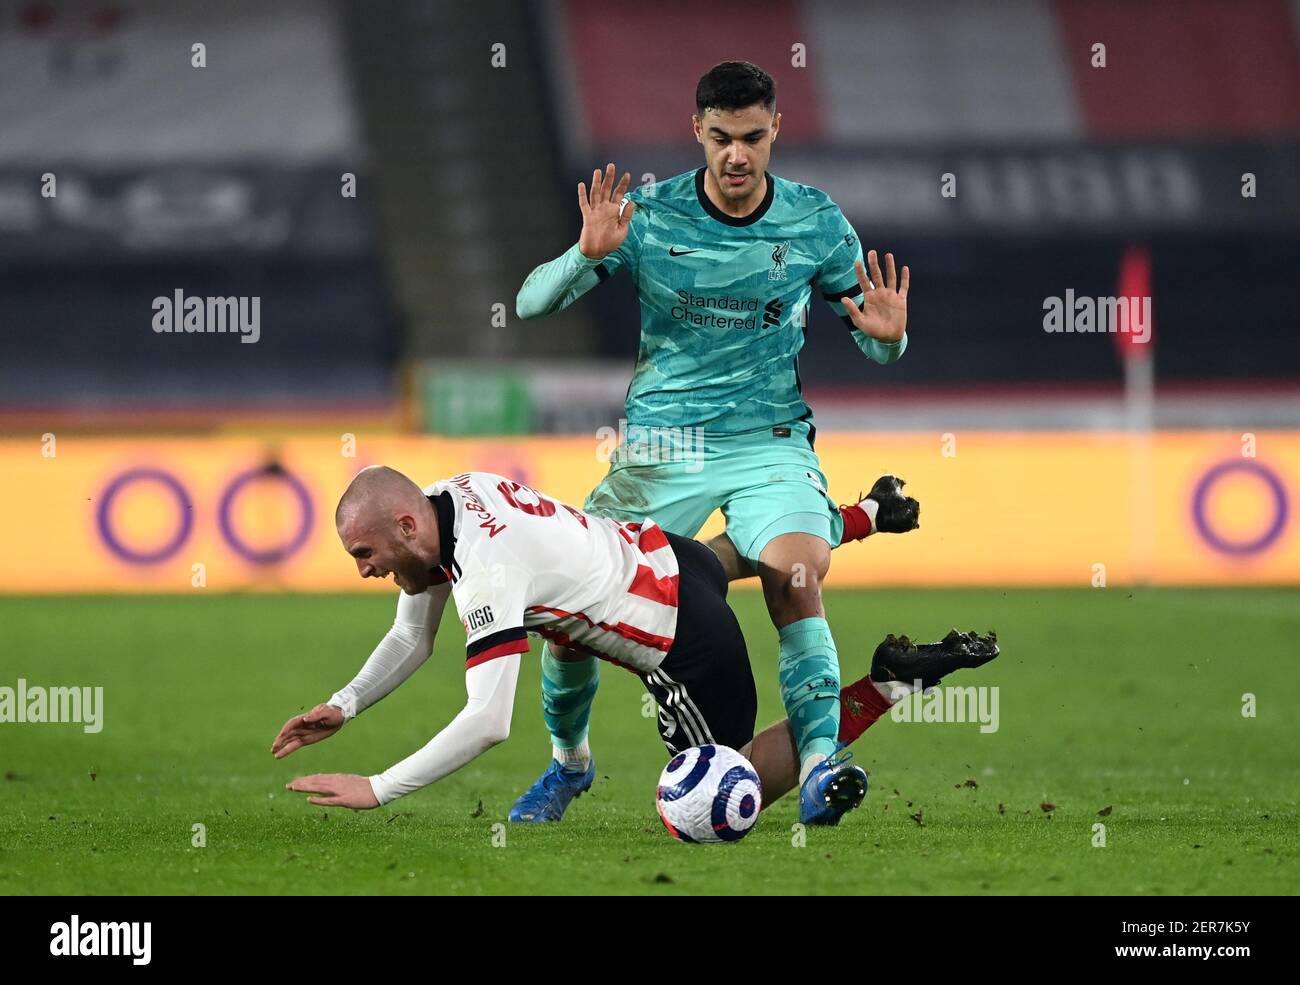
x=674 y=252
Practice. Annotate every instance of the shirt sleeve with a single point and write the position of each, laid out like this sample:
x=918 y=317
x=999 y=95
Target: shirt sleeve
x=490 y=601
x=481 y=724
x=555 y=285
x=837 y=278
x=399 y=654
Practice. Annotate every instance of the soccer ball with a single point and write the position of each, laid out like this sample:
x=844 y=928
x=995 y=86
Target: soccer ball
x=709 y=794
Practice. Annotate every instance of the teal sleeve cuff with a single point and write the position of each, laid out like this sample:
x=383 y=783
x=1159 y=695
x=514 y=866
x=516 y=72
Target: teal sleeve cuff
x=580 y=257
x=880 y=352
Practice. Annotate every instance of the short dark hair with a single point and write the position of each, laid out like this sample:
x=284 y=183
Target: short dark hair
x=734 y=85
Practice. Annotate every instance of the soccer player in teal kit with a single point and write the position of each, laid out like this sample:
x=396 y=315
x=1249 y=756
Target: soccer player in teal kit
x=726 y=259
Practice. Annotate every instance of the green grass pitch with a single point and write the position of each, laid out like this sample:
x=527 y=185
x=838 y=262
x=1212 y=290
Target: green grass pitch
x=1110 y=700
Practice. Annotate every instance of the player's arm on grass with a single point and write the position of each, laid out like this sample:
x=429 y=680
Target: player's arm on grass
x=490 y=598
x=399 y=654
x=603 y=246
x=875 y=308
x=481 y=724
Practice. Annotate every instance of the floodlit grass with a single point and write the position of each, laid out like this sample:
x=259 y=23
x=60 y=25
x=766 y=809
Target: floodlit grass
x=1115 y=702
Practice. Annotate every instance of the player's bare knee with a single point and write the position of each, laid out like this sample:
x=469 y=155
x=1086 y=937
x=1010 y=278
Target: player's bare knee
x=792 y=569
x=792 y=593
x=802 y=558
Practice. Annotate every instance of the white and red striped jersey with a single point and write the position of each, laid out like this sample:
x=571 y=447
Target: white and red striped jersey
x=521 y=563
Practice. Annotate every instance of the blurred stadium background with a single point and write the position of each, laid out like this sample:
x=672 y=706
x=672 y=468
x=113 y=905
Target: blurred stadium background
x=388 y=330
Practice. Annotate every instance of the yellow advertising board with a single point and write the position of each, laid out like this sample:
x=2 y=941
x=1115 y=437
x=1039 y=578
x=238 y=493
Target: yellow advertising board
x=1060 y=508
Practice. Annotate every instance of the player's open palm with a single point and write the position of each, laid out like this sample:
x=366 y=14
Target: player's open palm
x=603 y=229
x=336 y=790
x=883 y=315
x=302 y=730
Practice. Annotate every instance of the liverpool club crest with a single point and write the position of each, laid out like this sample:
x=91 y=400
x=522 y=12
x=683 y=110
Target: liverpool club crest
x=779 y=253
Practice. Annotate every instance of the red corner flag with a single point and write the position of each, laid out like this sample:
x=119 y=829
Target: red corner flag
x=1134 y=334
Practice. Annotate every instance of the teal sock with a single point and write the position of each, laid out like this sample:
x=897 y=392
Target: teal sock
x=568 y=689
x=809 y=673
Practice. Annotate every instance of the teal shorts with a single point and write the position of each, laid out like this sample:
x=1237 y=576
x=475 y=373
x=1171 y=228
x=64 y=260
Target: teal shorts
x=767 y=483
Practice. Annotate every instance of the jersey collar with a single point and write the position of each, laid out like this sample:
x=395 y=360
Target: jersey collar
x=731 y=220
x=447 y=566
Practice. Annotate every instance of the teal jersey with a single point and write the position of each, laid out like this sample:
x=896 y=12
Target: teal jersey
x=724 y=300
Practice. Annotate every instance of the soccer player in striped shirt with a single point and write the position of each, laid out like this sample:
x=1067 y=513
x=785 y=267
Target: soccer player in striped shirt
x=516 y=562
x=726 y=260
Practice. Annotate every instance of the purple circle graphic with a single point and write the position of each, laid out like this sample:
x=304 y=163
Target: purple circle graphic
x=1202 y=494
x=747 y=805
x=275 y=554
x=106 y=505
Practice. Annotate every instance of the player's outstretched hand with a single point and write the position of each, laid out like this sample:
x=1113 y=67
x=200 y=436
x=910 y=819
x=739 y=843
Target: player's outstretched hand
x=336 y=790
x=302 y=730
x=603 y=229
x=883 y=315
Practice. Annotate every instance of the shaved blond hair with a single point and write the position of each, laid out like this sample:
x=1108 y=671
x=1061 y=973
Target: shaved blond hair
x=377 y=493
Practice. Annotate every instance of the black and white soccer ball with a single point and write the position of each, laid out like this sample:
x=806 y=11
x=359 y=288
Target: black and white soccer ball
x=709 y=794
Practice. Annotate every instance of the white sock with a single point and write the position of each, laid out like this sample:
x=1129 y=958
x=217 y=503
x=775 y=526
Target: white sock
x=577 y=759
x=871 y=508
x=807 y=766
x=896 y=691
